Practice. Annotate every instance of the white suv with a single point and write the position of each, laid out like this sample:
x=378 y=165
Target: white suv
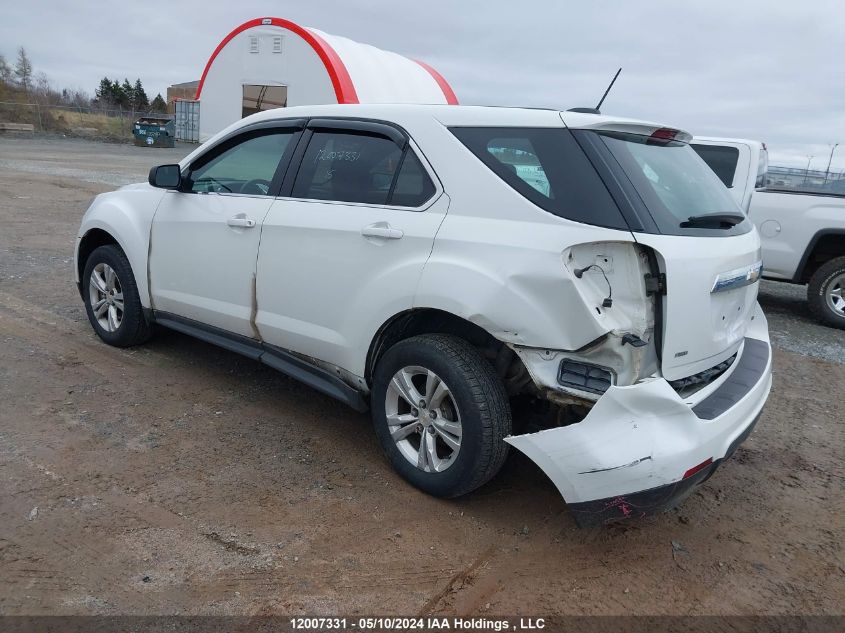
x=446 y=266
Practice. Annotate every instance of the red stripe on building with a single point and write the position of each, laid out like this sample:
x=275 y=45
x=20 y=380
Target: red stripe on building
x=451 y=99
x=339 y=75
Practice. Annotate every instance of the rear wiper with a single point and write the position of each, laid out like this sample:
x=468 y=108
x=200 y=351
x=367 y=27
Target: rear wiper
x=713 y=220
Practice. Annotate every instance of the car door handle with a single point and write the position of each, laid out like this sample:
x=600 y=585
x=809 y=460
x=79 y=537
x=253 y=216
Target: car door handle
x=241 y=221
x=383 y=230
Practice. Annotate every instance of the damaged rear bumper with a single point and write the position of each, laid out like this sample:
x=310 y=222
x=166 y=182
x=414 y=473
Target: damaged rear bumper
x=652 y=501
x=643 y=448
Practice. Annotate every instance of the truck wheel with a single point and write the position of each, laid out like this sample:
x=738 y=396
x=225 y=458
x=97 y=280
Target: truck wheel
x=441 y=414
x=111 y=298
x=826 y=293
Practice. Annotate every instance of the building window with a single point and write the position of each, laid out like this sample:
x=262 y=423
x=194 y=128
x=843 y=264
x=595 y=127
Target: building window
x=253 y=44
x=277 y=44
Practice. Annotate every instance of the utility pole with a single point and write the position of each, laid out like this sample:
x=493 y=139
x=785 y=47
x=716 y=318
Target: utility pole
x=807 y=170
x=830 y=160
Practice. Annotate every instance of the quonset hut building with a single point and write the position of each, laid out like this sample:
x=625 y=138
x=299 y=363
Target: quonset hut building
x=273 y=63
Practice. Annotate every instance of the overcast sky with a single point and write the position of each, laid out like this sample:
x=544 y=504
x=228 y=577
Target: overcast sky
x=773 y=71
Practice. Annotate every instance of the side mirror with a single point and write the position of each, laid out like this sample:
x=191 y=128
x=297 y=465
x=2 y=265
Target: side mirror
x=166 y=177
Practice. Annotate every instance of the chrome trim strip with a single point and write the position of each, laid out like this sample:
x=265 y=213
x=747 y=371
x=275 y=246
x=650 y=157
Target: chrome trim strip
x=737 y=278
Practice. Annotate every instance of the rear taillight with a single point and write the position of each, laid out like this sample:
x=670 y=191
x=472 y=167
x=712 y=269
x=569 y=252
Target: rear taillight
x=699 y=468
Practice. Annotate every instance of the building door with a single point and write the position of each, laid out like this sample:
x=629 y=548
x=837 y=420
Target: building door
x=257 y=98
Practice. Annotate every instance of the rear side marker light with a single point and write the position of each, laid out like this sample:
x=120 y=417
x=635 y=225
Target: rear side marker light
x=698 y=468
x=584 y=376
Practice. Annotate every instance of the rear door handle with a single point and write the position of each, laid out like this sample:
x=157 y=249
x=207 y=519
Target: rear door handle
x=383 y=230
x=241 y=221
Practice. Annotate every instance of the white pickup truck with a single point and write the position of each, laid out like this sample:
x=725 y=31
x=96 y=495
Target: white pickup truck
x=802 y=233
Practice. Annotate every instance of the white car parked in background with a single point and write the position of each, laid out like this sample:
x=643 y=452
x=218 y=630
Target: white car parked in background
x=441 y=265
x=802 y=232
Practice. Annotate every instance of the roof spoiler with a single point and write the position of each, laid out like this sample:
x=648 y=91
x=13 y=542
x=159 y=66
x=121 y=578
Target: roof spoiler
x=626 y=126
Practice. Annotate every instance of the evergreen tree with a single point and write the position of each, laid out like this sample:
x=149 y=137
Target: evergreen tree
x=140 y=101
x=158 y=104
x=23 y=69
x=127 y=92
x=104 y=94
x=103 y=91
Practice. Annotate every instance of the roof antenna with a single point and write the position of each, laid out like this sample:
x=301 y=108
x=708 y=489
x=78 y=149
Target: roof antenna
x=597 y=109
x=604 y=96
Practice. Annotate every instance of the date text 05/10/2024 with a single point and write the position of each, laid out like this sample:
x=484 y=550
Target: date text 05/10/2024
x=415 y=623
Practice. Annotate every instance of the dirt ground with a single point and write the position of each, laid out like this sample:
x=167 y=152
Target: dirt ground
x=180 y=478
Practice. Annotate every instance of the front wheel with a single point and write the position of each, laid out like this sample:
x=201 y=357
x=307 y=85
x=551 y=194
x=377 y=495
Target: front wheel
x=826 y=293
x=111 y=298
x=441 y=414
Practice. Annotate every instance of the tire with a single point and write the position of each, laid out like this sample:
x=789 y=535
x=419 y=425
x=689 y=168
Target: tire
x=471 y=398
x=826 y=293
x=129 y=326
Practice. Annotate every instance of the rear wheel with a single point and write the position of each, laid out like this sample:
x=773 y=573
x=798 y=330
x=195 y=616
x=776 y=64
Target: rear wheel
x=826 y=293
x=111 y=298
x=441 y=414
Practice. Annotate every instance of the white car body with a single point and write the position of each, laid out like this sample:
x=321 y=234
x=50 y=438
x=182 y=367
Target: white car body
x=792 y=227
x=305 y=283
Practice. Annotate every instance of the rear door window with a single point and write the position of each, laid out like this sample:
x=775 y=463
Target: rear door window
x=721 y=159
x=548 y=167
x=351 y=166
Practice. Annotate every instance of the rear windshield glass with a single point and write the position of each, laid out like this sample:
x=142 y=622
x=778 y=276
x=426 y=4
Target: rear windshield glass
x=548 y=167
x=673 y=181
x=721 y=160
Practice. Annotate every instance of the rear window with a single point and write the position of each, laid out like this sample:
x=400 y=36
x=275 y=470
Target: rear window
x=548 y=167
x=673 y=181
x=722 y=160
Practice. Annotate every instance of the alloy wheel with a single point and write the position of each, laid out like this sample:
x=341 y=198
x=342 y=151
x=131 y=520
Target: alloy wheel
x=106 y=296
x=835 y=295
x=423 y=419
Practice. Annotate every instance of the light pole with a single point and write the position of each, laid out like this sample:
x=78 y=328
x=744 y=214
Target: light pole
x=830 y=160
x=807 y=170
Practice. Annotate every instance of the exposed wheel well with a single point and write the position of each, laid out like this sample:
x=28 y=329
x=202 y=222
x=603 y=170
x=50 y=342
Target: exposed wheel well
x=91 y=240
x=432 y=321
x=826 y=247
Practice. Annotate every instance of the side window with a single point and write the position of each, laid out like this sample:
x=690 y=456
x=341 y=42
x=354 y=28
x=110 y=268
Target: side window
x=413 y=186
x=351 y=166
x=347 y=167
x=246 y=167
x=548 y=167
x=520 y=158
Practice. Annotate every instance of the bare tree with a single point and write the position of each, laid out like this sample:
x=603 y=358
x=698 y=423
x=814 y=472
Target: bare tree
x=6 y=71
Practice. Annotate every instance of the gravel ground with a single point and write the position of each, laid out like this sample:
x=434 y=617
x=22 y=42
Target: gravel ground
x=180 y=478
x=793 y=328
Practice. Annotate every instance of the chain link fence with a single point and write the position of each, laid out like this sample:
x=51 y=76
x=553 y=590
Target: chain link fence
x=85 y=122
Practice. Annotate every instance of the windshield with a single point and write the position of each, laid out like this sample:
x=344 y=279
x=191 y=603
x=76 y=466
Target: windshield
x=673 y=181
